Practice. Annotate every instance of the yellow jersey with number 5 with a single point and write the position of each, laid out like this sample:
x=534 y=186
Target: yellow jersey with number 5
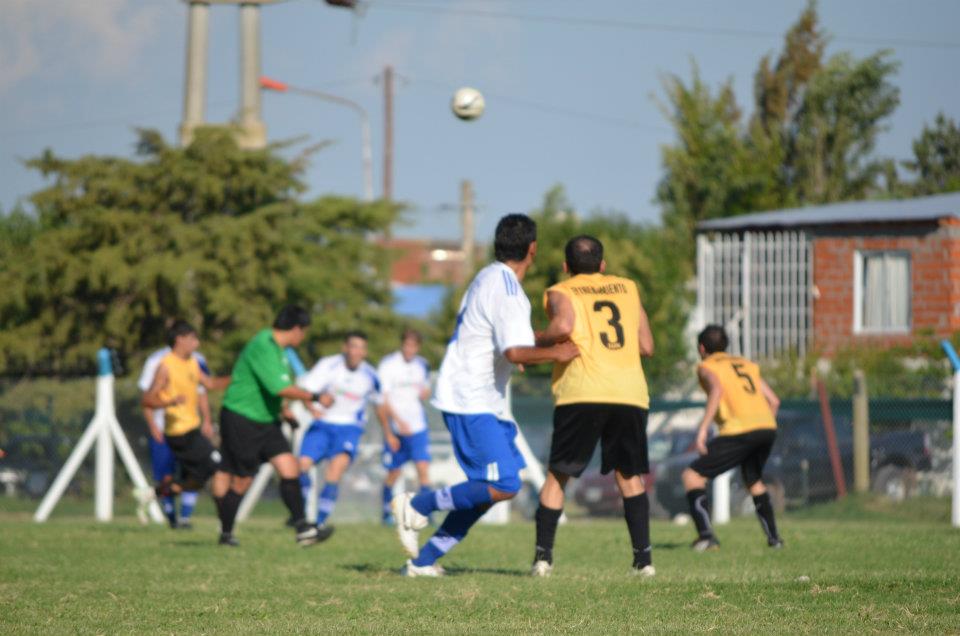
x=743 y=408
x=605 y=329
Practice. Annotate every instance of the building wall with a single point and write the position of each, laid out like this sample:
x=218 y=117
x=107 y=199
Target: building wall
x=935 y=274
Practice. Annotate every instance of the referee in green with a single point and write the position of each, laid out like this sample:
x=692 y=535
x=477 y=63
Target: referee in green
x=250 y=433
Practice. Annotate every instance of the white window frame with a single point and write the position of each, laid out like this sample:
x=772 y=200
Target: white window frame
x=858 y=327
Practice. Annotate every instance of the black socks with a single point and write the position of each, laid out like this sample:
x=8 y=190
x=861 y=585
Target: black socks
x=292 y=498
x=700 y=512
x=228 y=506
x=547 y=520
x=636 y=510
x=765 y=515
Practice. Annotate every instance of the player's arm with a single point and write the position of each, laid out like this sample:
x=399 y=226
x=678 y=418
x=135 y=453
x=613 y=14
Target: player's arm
x=155 y=431
x=206 y=427
x=561 y=315
x=711 y=384
x=212 y=383
x=644 y=335
x=152 y=399
x=770 y=396
x=562 y=352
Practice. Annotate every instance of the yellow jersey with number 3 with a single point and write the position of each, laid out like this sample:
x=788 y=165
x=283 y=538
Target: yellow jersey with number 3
x=605 y=329
x=183 y=378
x=743 y=408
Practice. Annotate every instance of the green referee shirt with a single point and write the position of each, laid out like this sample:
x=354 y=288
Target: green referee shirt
x=260 y=373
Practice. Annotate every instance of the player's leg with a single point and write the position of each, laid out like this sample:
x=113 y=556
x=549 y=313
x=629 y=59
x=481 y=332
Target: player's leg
x=163 y=463
x=486 y=450
x=327 y=500
x=275 y=448
x=313 y=447
x=752 y=472
x=387 y=496
x=239 y=446
x=723 y=453
x=623 y=447
x=576 y=431
x=188 y=501
x=393 y=461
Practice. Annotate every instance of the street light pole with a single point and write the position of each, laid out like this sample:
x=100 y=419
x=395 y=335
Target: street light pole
x=267 y=83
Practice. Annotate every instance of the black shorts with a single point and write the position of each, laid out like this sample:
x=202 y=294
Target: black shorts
x=621 y=430
x=246 y=444
x=197 y=457
x=749 y=451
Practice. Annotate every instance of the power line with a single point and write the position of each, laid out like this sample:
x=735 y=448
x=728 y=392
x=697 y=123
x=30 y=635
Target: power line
x=631 y=25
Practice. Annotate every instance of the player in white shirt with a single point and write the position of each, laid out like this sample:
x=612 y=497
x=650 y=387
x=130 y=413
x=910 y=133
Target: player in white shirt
x=347 y=383
x=405 y=383
x=492 y=334
x=162 y=461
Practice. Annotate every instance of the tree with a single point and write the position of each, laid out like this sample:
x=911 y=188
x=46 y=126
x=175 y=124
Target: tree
x=210 y=233
x=936 y=161
x=810 y=138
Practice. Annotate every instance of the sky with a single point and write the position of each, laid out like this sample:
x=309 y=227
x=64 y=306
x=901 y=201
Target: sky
x=571 y=87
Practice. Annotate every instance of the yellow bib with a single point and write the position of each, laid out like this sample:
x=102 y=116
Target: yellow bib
x=605 y=329
x=743 y=407
x=183 y=378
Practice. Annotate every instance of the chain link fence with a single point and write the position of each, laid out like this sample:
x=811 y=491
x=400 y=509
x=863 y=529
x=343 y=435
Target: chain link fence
x=909 y=431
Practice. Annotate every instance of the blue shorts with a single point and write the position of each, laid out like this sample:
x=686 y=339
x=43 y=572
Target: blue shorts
x=413 y=448
x=161 y=459
x=485 y=449
x=324 y=441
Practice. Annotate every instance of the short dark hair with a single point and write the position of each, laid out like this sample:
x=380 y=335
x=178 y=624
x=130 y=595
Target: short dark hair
x=356 y=333
x=178 y=328
x=713 y=338
x=291 y=316
x=515 y=233
x=584 y=254
x=411 y=334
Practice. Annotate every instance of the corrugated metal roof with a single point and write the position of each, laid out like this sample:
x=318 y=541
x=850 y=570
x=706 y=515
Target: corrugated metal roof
x=928 y=208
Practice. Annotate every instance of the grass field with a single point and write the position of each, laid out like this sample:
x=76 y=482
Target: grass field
x=860 y=566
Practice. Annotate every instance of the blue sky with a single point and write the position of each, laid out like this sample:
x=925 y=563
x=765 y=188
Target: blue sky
x=567 y=102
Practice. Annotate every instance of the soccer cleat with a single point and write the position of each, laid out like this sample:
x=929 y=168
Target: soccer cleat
x=541 y=568
x=410 y=570
x=646 y=572
x=409 y=523
x=144 y=496
x=227 y=539
x=776 y=544
x=702 y=544
x=309 y=534
x=184 y=524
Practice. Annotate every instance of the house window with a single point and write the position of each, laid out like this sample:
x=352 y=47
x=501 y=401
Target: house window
x=881 y=292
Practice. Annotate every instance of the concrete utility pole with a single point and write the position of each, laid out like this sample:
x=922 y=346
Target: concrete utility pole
x=861 y=433
x=195 y=82
x=466 y=223
x=253 y=132
x=388 y=133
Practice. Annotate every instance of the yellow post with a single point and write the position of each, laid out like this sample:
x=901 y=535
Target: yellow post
x=861 y=433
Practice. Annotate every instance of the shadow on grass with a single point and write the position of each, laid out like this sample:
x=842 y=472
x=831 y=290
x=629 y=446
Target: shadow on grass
x=376 y=568
x=674 y=545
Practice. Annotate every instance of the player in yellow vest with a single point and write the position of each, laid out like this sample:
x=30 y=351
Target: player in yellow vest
x=174 y=390
x=744 y=408
x=599 y=396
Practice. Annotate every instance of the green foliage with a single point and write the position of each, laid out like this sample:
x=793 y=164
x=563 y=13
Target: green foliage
x=936 y=162
x=209 y=233
x=810 y=139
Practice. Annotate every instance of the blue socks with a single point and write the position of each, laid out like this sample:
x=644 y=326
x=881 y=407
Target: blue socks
x=387 y=498
x=463 y=496
x=328 y=499
x=454 y=528
x=187 y=502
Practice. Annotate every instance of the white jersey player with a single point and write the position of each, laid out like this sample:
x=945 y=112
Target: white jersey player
x=405 y=382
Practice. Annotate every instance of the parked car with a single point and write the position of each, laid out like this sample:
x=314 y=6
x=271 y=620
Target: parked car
x=599 y=493
x=799 y=469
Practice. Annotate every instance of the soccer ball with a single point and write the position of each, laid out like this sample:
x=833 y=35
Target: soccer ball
x=467 y=103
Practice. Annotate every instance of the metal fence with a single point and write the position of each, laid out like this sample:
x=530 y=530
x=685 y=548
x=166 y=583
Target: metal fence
x=910 y=446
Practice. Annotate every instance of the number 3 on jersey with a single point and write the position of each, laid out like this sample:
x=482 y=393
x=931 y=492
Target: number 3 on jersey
x=613 y=321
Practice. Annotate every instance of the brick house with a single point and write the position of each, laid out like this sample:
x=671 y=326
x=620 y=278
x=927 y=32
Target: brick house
x=822 y=278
